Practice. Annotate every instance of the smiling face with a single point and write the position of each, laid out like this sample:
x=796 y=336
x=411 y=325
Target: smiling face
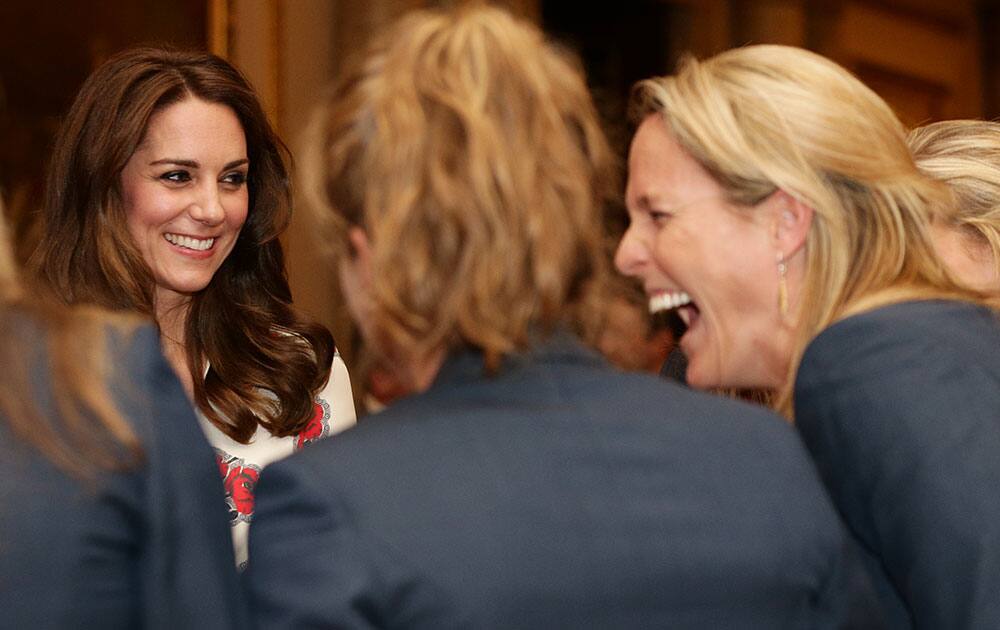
x=185 y=195
x=717 y=261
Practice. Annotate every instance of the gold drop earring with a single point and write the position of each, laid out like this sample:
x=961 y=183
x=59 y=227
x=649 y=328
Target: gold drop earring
x=782 y=286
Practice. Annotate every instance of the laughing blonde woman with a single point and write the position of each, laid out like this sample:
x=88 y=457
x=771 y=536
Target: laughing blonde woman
x=775 y=203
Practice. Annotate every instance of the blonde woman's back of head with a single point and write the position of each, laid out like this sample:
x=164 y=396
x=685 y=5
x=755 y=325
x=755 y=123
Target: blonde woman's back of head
x=769 y=117
x=469 y=151
x=965 y=154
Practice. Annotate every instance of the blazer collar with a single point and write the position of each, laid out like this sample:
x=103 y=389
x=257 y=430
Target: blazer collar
x=467 y=364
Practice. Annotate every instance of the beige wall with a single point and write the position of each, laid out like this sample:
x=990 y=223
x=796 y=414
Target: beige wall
x=287 y=49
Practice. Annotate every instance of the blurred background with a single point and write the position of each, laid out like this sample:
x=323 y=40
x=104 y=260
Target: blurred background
x=930 y=59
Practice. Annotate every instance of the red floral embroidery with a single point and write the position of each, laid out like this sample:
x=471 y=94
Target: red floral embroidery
x=239 y=479
x=319 y=424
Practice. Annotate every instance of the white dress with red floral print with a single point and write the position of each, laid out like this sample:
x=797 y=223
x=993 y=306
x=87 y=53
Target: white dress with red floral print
x=240 y=464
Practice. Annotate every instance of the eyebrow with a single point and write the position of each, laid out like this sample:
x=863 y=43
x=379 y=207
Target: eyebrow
x=194 y=164
x=648 y=200
x=643 y=200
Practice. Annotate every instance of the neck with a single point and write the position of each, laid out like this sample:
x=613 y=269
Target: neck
x=171 y=317
x=419 y=372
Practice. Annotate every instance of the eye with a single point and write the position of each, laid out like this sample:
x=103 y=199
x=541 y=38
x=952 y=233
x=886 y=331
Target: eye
x=659 y=217
x=234 y=179
x=176 y=177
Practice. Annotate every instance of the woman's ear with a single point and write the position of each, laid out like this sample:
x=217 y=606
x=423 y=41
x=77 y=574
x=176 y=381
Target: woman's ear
x=358 y=262
x=359 y=247
x=792 y=221
x=355 y=271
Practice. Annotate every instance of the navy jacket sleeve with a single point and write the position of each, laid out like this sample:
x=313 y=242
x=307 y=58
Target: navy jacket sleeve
x=186 y=563
x=146 y=546
x=307 y=565
x=901 y=409
x=312 y=566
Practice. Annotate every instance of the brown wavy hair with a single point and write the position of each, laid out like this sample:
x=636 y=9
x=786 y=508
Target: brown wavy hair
x=469 y=151
x=266 y=362
x=85 y=432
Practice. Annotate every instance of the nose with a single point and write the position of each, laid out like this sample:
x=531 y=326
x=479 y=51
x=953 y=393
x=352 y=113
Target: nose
x=206 y=207
x=632 y=253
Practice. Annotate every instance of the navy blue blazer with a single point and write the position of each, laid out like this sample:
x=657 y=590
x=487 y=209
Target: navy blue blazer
x=558 y=494
x=901 y=408
x=149 y=548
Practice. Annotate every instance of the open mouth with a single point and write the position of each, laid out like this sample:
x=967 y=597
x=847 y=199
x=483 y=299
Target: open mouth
x=187 y=242
x=677 y=309
x=668 y=301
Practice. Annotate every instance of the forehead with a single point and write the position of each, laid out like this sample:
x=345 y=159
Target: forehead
x=194 y=124
x=659 y=167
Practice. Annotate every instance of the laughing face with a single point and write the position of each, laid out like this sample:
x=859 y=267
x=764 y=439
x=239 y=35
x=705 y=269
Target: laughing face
x=712 y=260
x=185 y=195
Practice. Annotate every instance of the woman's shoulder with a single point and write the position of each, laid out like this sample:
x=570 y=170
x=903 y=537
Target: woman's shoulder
x=909 y=332
x=915 y=315
x=911 y=377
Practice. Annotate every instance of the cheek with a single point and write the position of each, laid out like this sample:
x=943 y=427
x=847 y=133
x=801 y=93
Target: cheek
x=142 y=212
x=680 y=257
x=237 y=210
x=742 y=282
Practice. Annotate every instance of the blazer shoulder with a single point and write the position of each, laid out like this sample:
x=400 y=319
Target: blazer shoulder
x=907 y=335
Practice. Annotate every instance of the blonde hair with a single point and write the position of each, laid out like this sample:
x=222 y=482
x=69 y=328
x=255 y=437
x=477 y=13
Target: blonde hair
x=85 y=431
x=965 y=154
x=764 y=118
x=469 y=151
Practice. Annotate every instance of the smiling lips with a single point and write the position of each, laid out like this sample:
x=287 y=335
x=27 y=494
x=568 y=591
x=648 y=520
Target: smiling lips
x=187 y=242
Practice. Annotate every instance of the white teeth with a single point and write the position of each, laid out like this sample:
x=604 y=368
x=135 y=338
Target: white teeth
x=667 y=301
x=197 y=244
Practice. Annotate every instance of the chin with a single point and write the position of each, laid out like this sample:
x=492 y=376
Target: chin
x=186 y=288
x=698 y=380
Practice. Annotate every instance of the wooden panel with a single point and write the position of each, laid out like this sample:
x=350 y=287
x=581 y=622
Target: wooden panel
x=916 y=101
x=219 y=27
x=989 y=21
x=899 y=43
x=307 y=67
x=255 y=47
x=769 y=22
x=926 y=64
x=47 y=49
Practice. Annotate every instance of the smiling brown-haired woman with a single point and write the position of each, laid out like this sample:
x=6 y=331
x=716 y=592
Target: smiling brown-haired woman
x=109 y=507
x=167 y=193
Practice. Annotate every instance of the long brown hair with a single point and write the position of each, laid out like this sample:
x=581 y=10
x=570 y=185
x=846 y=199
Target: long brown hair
x=266 y=362
x=84 y=431
x=469 y=151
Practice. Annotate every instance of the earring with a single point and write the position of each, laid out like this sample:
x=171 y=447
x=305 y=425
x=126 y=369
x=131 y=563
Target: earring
x=782 y=286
